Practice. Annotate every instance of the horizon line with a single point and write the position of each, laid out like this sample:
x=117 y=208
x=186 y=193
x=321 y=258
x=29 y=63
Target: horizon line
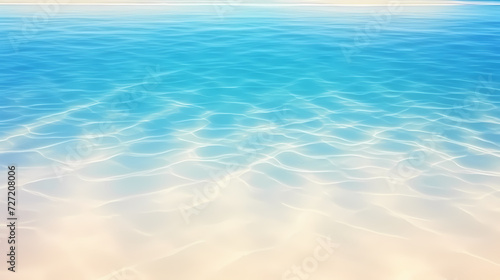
x=421 y=3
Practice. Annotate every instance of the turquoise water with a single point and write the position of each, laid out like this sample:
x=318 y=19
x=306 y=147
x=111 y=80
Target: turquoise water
x=375 y=83
x=361 y=114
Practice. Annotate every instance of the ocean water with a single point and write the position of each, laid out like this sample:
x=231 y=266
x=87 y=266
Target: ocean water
x=234 y=142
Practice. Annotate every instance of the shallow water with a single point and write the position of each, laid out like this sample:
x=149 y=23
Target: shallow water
x=231 y=142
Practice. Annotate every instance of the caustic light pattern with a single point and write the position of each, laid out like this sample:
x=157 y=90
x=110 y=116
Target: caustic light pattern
x=254 y=143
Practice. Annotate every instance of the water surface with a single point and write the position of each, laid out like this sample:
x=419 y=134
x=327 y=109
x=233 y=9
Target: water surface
x=229 y=142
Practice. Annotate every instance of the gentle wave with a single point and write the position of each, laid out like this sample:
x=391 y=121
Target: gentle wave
x=232 y=145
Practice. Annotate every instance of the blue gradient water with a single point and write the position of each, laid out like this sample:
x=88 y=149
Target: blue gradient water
x=381 y=123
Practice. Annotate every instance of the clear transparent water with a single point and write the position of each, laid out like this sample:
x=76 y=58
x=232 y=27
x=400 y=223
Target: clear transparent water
x=227 y=140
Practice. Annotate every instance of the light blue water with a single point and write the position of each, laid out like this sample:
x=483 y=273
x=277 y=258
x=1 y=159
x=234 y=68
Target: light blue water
x=368 y=83
x=281 y=99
